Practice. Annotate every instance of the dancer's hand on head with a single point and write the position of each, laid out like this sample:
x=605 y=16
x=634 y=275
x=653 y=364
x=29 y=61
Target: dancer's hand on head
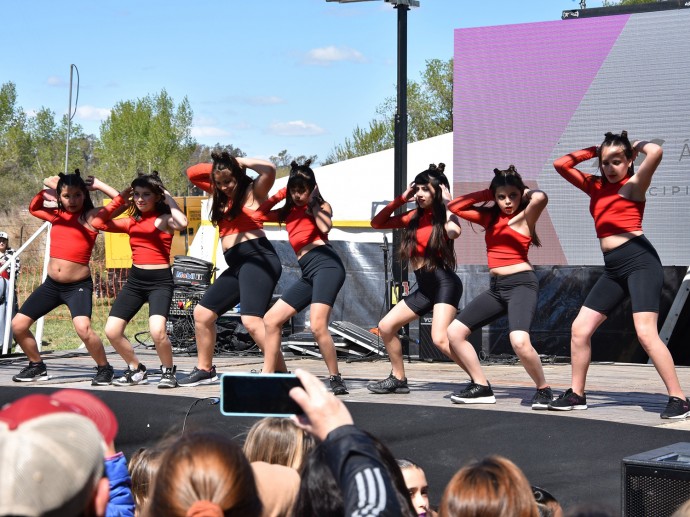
x=91 y=183
x=323 y=412
x=410 y=191
x=127 y=193
x=445 y=194
x=314 y=196
x=50 y=196
x=51 y=181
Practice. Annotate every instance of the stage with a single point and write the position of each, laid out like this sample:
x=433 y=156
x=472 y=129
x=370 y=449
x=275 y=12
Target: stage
x=575 y=455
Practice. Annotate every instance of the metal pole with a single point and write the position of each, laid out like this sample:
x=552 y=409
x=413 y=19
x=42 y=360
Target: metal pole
x=400 y=284
x=69 y=118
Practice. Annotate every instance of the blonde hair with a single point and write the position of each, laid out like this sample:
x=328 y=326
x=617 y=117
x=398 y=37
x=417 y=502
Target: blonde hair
x=278 y=441
x=492 y=487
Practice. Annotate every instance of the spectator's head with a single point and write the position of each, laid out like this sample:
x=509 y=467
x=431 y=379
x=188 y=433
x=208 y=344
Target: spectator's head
x=143 y=465
x=51 y=459
x=590 y=510
x=548 y=505
x=277 y=486
x=416 y=483
x=492 y=487
x=4 y=241
x=278 y=441
x=203 y=472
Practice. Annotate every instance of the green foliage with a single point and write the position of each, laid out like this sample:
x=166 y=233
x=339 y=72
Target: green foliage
x=611 y=3
x=429 y=113
x=284 y=159
x=144 y=135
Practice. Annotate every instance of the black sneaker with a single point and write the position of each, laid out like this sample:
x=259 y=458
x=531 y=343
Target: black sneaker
x=391 y=384
x=104 y=375
x=542 y=398
x=168 y=379
x=33 y=372
x=676 y=408
x=337 y=385
x=133 y=377
x=474 y=394
x=197 y=377
x=569 y=400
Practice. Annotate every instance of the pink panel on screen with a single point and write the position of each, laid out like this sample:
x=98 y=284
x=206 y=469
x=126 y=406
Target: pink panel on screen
x=517 y=86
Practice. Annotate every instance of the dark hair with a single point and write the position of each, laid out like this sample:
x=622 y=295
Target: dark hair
x=73 y=180
x=223 y=207
x=203 y=466
x=439 y=252
x=154 y=183
x=301 y=178
x=319 y=494
x=614 y=140
x=509 y=177
x=405 y=463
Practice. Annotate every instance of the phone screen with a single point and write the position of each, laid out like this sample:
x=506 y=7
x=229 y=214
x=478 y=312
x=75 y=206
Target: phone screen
x=251 y=394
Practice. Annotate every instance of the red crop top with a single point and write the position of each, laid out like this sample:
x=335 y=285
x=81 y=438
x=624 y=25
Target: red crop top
x=246 y=221
x=504 y=245
x=69 y=238
x=150 y=246
x=385 y=220
x=612 y=213
x=301 y=226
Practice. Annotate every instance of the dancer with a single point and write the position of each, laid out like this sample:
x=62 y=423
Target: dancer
x=69 y=278
x=631 y=264
x=153 y=218
x=307 y=218
x=509 y=231
x=428 y=233
x=254 y=267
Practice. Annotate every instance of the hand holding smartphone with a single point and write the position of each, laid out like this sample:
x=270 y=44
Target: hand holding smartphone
x=258 y=395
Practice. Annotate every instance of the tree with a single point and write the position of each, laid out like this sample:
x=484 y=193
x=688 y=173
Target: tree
x=144 y=135
x=284 y=159
x=429 y=113
x=611 y=3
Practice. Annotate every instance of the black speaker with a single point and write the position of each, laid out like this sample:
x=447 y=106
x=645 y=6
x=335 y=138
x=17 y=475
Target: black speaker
x=656 y=482
x=427 y=349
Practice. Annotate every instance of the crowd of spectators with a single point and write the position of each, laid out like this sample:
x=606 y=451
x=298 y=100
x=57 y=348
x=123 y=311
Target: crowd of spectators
x=58 y=458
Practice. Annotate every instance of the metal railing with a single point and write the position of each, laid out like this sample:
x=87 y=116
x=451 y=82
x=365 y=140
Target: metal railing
x=9 y=299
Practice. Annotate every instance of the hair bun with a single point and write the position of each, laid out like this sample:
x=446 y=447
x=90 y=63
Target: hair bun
x=441 y=167
x=497 y=171
x=294 y=165
x=76 y=171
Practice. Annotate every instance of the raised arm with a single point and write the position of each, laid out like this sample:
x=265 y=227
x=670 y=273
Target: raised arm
x=103 y=218
x=565 y=166
x=93 y=183
x=177 y=220
x=37 y=208
x=643 y=176
x=267 y=175
x=321 y=212
x=385 y=220
x=462 y=206
x=452 y=226
x=537 y=201
x=200 y=176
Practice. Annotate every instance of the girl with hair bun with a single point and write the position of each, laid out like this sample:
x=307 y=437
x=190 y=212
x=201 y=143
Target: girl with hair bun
x=427 y=243
x=509 y=226
x=253 y=265
x=307 y=218
x=631 y=264
x=72 y=237
x=154 y=216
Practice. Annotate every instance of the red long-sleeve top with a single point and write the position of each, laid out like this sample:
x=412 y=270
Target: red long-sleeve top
x=612 y=213
x=300 y=225
x=246 y=220
x=504 y=245
x=385 y=220
x=70 y=239
x=150 y=246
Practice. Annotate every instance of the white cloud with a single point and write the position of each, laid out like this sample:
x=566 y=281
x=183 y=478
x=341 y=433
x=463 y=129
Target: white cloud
x=54 y=80
x=326 y=56
x=295 y=128
x=268 y=100
x=92 y=113
x=209 y=131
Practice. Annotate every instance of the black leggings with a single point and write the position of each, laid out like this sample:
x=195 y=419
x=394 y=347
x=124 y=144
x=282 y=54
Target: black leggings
x=144 y=285
x=323 y=274
x=515 y=294
x=252 y=275
x=633 y=269
x=437 y=286
x=78 y=296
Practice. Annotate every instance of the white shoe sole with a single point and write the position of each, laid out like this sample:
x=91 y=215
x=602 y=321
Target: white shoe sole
x=568 y=408
x=479 y=400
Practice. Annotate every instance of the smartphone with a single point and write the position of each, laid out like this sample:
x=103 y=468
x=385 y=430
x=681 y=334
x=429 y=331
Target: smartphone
x=252 y=394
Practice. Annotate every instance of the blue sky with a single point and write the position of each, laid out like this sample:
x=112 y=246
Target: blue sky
x=261 y=75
